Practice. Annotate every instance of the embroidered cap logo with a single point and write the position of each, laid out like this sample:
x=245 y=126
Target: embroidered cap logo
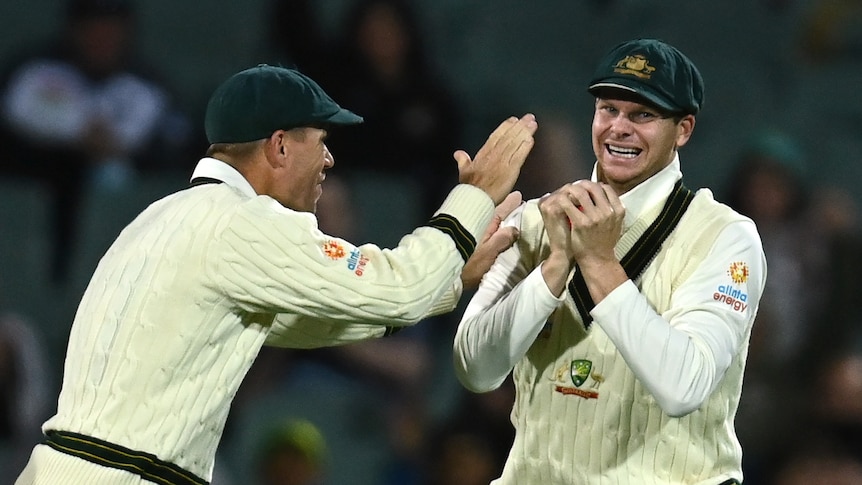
x=636 y=65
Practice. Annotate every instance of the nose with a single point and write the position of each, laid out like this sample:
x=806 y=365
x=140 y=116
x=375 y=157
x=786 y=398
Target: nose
x=328 y=158
x=621 y=125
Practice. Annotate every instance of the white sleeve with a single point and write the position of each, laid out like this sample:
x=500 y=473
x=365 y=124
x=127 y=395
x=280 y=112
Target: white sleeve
x=305 y=332
x=269 y=259
x=681 y=356
x=302 y=332
x=501 y=321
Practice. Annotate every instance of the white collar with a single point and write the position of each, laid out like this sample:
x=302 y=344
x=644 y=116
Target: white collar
x=219 y=170
x=651 y=191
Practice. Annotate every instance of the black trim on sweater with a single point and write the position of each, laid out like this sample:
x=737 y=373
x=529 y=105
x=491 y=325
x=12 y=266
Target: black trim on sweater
x=465 y=243
x=643 y=251
x=100 y=452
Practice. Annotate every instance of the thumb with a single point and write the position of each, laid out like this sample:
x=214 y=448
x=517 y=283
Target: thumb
x=510 y=203
x=462 y=158
x=503 y=239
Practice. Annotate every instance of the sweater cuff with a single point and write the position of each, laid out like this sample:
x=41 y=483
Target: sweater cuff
x=464 y=216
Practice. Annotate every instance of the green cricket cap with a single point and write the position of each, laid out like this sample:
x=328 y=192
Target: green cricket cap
x=254 y=103
x=654 y=70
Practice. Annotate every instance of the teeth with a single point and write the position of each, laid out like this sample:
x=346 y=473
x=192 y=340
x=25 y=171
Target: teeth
x=624 y=152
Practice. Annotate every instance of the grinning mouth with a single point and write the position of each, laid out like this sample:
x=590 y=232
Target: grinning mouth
x=623 y=152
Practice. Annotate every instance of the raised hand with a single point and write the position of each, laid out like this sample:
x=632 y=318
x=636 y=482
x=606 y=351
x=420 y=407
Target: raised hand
x=498 y=163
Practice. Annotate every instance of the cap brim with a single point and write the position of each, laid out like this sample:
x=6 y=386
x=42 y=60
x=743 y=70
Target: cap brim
x=643 y=91
x=343 y=117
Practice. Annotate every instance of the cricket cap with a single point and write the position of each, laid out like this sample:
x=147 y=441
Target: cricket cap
x=254 y=103
x=654 y=70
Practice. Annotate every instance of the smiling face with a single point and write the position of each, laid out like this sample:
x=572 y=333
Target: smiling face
x=634 y=141
x=304 y=158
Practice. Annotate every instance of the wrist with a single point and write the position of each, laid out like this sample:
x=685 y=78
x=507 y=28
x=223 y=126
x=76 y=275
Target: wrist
x=555 y=270
x=602 y=276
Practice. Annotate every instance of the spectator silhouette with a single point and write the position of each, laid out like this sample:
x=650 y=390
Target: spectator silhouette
x=828 y=448
x=295 y=37
x=768 y=186
x=24 y=388
x=412 y=120
x=292 y=453
x=84 y=113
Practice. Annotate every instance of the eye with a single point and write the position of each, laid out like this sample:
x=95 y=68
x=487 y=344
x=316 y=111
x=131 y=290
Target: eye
x=607 y=109
x=644 y=116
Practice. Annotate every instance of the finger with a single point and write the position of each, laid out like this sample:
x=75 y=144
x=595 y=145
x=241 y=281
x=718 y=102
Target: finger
x=529 y=122
x=503 y=238
x=462 y=158
x=512 y=201
x=519 y=155
x=515 y=136
x=576 y=216
x=590 y=196
x=501 y=132
x=512 y=126
x=614 y=200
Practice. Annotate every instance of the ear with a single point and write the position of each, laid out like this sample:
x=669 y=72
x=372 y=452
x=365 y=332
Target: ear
x=275 y=148
x=684 y=129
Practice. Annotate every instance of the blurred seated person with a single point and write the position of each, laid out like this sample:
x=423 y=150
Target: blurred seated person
x=83 y=113
x=382 y=69
x=294 y=452
x=24 y=389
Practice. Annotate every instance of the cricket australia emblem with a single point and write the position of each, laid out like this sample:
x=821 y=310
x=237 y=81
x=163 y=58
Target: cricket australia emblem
x=579 y=372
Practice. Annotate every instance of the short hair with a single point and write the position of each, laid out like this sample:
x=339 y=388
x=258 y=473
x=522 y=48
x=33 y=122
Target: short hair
x=233 y=151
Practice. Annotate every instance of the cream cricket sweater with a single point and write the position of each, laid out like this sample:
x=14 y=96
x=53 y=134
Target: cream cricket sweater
x=183 y=300
x=608 y=428
x=648 y=392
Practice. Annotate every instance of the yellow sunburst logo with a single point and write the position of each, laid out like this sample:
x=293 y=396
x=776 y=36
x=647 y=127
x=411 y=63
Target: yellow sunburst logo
x=333 y=250
x=738 y=272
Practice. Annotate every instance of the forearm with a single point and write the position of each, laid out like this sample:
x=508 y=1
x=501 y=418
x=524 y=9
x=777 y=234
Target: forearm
x=602 y=277
x=678 y=368
x=291 y=267
x=682 y=354
x=491 y=339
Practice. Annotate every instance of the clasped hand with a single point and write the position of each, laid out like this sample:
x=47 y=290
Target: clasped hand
x=584 y=221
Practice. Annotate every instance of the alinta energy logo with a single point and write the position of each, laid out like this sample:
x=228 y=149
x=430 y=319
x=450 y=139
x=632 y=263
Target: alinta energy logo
x=356 y=262
x=730 y=294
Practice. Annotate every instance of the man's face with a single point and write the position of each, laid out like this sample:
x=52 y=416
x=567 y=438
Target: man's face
x=299 y=181
x=633 y=141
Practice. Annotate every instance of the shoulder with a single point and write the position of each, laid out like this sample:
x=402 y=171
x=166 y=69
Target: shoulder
x=704 y=206
x=707 y=219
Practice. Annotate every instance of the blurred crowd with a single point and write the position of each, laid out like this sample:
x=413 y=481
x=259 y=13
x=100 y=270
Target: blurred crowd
x=85 y=122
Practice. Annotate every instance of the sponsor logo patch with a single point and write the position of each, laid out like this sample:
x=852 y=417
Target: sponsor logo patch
x=738 y=272
x=730 y=294
x=333 y=250
x=356 y=262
